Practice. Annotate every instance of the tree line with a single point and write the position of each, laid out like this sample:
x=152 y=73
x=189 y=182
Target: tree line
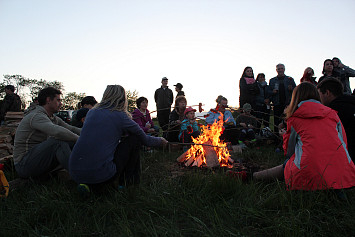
x=28 y=90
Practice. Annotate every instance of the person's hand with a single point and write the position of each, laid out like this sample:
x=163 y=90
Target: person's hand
x=148 y=125
x=178 y=121
x=274 y=91
x=151 y=130
x=243 y=125
x=164 y=141
x=228 y=123
x=267 y=101
x=282 y=132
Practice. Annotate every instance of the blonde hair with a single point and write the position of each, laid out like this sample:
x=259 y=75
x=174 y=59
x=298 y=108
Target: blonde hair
x=114 y=99
x=302 y=92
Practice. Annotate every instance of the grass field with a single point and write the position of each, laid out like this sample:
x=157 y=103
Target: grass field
x=177 y=201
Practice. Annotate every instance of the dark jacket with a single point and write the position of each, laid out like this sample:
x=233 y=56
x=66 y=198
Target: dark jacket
x=180 y=93
x=247 y=92
x=11 y=102
x=263 y=94
x=344 y=74
x=345 y=106
x=174 y=126
x=163 y=98
x=288 y=94
x=334 y=74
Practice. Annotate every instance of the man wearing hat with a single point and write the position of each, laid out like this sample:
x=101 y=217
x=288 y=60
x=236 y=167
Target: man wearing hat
x=163 y=98
x=178 y=89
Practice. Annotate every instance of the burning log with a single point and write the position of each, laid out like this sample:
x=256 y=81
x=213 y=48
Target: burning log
x=182 y=157
x=210 y=155
x=199 y=160
x=190 y=160
x=207 y=149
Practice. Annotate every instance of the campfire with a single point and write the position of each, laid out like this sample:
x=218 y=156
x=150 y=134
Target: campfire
x=208 y=150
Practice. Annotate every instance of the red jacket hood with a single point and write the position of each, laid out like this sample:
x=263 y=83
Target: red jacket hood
x=312 y=109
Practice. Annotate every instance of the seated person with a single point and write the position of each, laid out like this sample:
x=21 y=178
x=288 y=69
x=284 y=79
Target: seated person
x=43 y=141
x=11 y=102
x=331 y=94
x=230 y=133
x=175 y=118
x=87 y=102
x=247 y=124
x=142 y=117
x=315 y=158
x=107 y=151
x=189 y=127
x=80 y=116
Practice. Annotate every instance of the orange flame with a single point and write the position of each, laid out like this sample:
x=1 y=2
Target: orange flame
x=210 y=133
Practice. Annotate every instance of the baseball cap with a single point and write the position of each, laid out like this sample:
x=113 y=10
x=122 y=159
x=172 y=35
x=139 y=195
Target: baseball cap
x=247 y=107
x=179 y=85
x=189 y=109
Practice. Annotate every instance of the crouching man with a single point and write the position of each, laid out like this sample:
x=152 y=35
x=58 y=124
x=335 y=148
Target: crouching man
x=43 y=141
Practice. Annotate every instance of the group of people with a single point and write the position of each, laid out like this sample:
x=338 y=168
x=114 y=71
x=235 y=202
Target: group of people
x=318 y=136
x=277 y=95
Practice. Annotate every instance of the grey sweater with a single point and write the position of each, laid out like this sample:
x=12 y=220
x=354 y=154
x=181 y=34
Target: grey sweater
x=36 y=127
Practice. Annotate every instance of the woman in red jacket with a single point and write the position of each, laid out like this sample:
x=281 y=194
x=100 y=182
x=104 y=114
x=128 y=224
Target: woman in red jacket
x=315 y=145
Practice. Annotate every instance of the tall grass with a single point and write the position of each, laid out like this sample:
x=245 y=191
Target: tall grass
x=178 y=201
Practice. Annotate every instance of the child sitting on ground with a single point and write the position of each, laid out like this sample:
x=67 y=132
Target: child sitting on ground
x=247 y=124
x=189 y=126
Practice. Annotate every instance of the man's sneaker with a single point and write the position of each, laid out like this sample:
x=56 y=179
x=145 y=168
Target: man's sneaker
x=83 y=190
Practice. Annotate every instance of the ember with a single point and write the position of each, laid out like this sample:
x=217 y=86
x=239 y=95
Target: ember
x=208 y=149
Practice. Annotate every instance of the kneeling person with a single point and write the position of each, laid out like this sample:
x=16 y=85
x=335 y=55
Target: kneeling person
x=43 y=141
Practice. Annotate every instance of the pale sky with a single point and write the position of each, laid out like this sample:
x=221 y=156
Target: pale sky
x=205 y=45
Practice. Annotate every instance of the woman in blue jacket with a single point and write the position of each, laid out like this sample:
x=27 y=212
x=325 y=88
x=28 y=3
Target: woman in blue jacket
x=108 y=149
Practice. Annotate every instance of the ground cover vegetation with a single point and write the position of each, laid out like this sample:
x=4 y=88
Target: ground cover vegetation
x=176 y=201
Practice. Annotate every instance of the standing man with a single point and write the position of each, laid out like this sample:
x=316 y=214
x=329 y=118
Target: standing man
x=344 y=73
x=43 y=141
x=331 y=95
x=280 y=93
x=163 y=99
x=11 y=102
x=178 y=89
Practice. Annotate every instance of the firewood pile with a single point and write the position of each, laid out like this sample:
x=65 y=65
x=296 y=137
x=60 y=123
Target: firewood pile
x=207 y=158
x=7 y=134
x=13 y=119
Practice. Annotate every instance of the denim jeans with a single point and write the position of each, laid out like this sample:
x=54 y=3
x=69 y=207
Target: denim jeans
x=44 y=157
